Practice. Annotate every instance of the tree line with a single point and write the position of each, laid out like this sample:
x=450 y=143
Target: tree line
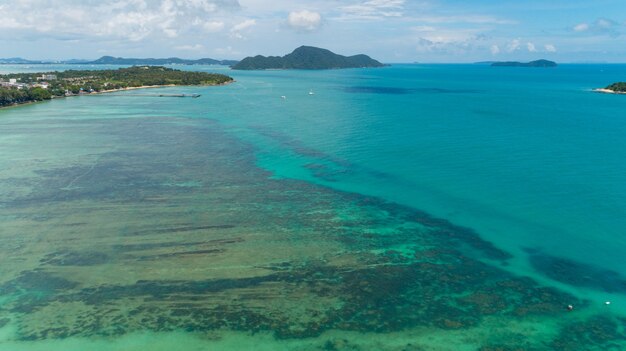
x=619 y=87
x=73 y=82
x=12 y=96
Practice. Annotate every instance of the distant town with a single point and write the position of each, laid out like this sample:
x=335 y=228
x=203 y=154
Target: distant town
x=41 y=82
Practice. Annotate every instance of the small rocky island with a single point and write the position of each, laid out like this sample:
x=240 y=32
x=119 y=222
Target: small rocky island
x=307 y=57
x=537 y=63
x=20 y=88
x=615 y=88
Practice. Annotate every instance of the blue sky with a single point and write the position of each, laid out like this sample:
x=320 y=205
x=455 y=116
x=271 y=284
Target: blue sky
x=389 y=30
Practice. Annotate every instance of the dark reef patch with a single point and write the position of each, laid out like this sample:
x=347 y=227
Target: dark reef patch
x=34 y=289
x=382 y=298
x=601 y=332
x=443 y=230
x=76 y=258
x=525 y=347
x=182 y=229
x=179 y=254
x=162 y=289
x=122 y=248
x=577 y=274
x=325 y=172
x=38 y=281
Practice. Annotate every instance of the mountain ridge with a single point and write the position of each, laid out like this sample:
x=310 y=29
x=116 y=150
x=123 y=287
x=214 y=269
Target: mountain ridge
x=110 y=60
x=19 y=61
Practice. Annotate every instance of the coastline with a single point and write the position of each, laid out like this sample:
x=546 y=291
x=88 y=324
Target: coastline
x=115 y=91
x=129 y=88
x=608 y=91
x=22 y=104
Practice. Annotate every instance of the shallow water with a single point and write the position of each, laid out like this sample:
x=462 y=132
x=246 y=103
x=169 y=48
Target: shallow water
x=316 y=222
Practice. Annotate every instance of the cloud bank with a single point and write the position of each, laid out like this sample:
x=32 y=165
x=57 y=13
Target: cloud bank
x=304 y=20
x=132 y=20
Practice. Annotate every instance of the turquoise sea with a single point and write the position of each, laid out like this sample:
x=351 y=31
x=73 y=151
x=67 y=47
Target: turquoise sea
x=412 y=207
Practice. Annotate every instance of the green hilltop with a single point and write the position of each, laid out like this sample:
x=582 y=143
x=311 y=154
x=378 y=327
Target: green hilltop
x=307 y=57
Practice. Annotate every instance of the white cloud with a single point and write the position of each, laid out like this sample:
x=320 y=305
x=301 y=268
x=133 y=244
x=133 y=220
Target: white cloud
x=583 y=27
x=134 y=26
x=423 y=29
x=132 y=20
x=514 y=45
x=425 y=45
x=550 y=48
x=444 y=35
x=240 y=27
x=450 y=42
x=373 y=10
x=495 y=49
x=601 y=26
x=196 y=47
x=474 y=19
x=604 y=23
x=531 y=47
x=304 y=20
x=243 y=25
x=170 y=32
x=213 y=26
x=226 y=51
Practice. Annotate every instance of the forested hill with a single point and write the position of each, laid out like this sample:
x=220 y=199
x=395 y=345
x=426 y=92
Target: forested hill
x=307 y=57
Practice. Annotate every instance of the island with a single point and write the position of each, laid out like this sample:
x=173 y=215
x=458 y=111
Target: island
x=110 y=60
x=615 y=88
x=20 y=88
x=537 y=63
x=307 y=57
x=19 y=61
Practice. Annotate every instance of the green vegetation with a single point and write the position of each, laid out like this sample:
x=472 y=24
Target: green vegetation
x=538 y=63
x=619 y=87
x=78 y=82
x=11 y=96
x=307 y=57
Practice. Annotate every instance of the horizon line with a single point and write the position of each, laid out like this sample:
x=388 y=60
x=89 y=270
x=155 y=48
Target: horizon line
x=89 y=61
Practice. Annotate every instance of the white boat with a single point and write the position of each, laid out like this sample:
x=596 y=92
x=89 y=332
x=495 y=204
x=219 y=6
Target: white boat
x=311 y=92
